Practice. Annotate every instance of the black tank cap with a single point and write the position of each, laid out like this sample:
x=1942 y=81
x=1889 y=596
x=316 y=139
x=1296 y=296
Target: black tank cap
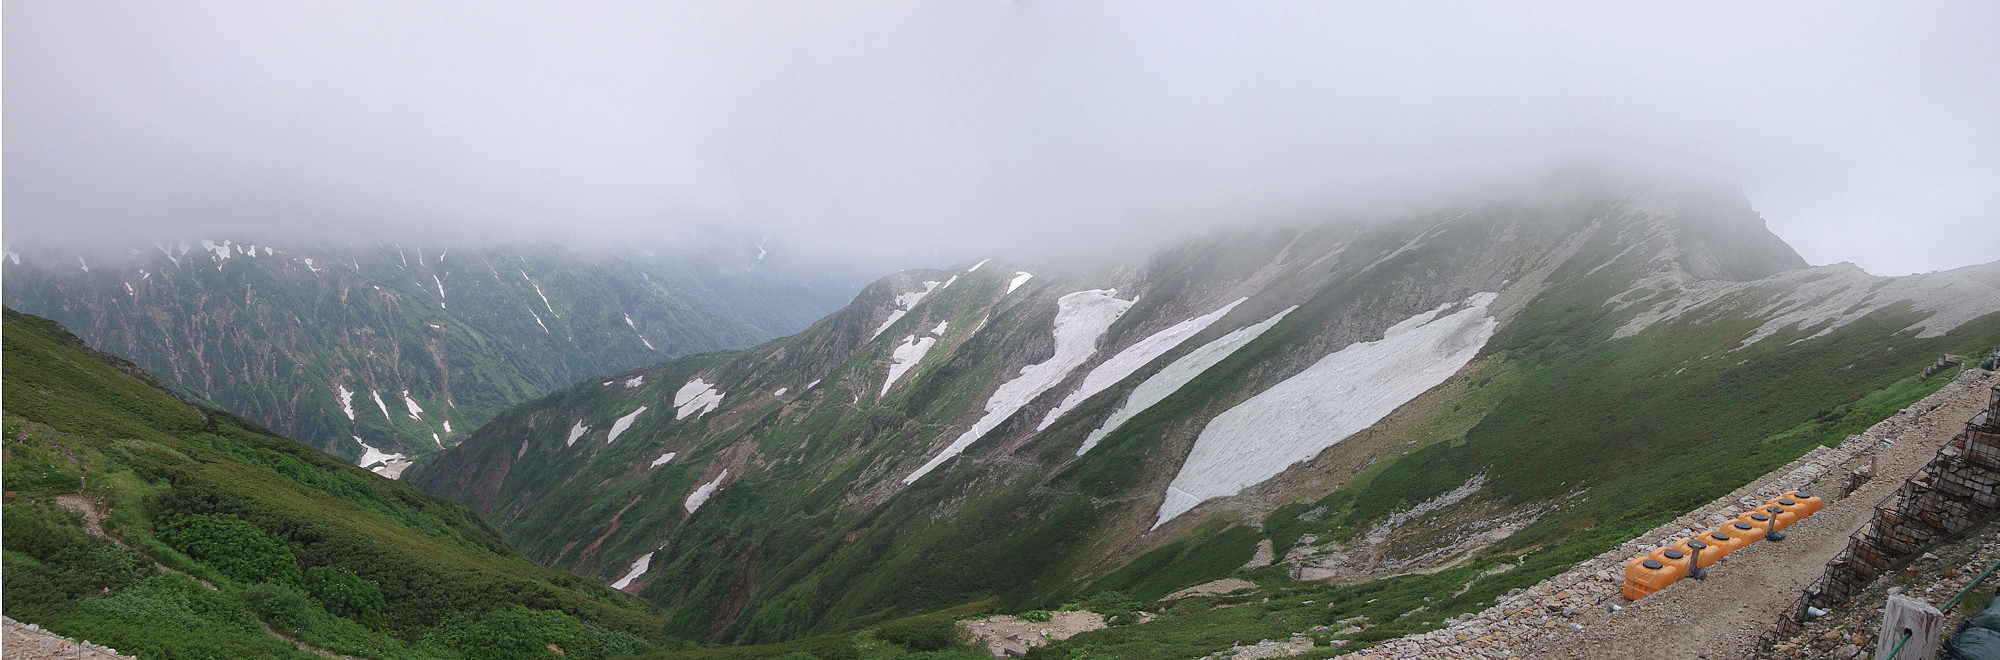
x=1719 y=536
x=1697 y=545
x=1775 y=509
x=1801 y=494
x=1742 y=525
x=1787 y=501
x=1652 y=564
x=1672 y=554
x=1759 y=517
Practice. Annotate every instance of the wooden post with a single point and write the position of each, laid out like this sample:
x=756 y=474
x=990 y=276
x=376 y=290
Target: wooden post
x=1924 y=623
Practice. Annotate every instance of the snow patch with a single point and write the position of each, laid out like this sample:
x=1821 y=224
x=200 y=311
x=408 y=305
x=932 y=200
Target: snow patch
x=904 y=302
x=948 y=282
x=438 y=440
x=635 y=381
x=1342 y=394
x=1134 y=357
x=1020 y=278
x=697 y=395
x=577 y=431
x=309 y=266
x=447 y=426
x=538 y=321
x=1380 y=532
x=416 y=411
x=440 y=283
x=639 y=567
x=941 y=327
x=700 y=495
x=129 y=291
x=221 y=252
x=380 y=404
x=619 y=426
x=907 y=354
x=1171 y=378
x=16 y=256
x=346 y=400
x=81 y=264
x=1081 y=319
x=662 y=460
x=391 y=465
x=976 y=266
x=781 y=391
x=812 y=384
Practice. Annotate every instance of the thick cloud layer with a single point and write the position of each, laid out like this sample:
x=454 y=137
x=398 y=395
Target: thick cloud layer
x=924 y=133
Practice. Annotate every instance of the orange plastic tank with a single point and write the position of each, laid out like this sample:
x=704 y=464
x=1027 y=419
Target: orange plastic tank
x=1807 y=503
x=1722 y=542
x=1785 y=517
x=1703 y=553
x=1758 y=518
x=1645 y=575
x=1749 y=533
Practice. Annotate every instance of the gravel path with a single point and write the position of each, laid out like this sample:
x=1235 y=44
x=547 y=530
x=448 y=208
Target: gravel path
x=1565 y=616
x=1722 y=616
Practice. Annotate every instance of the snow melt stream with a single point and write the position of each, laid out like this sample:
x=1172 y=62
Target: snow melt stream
x=1342 y=394
x=1081 y=319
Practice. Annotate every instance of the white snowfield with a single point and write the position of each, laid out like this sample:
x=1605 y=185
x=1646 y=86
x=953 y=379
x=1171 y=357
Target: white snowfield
x=1171 y=378
x=907 y=354
x=662 y=460
x=309 y=265
x=577 y=431
x=1133 y=357
x=416 y=411
x=904 y=302
x=697 y=397
x=220 y=252
x=1020 y=278
x=976 y=266
x=380 y=404
x=447 y=426
x=635 y=381
x=700 y=495
x=781 y=391
x=1081 y=319
x=623 y=423
x=1834 y=295
x=1342 y=394
x=371 y=455
x=346 y=400
x=440 y=283
x=538 y=321
x=80 y=263
x=812 y=384
x=639 y=567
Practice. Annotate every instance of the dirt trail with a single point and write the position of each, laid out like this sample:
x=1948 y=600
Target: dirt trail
x=1722 y=616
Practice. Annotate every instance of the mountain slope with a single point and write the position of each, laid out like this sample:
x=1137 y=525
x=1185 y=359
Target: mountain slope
x=1522 y=378
x=195 y=532
x=374 y=352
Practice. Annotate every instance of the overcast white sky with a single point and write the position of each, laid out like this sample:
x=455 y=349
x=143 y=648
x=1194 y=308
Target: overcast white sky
x=1864 y=132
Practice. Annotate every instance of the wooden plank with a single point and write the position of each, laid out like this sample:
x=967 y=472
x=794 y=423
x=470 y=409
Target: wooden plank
x=1924 y=623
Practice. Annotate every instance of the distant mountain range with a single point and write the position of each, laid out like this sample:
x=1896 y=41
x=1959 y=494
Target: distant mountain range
x=383 y=353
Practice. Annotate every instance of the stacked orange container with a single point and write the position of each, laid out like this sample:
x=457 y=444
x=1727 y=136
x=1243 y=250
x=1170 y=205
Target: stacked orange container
x=1645 y=575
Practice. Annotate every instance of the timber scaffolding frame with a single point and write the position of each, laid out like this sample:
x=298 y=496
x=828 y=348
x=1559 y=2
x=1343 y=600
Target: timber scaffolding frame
x=1956 y=493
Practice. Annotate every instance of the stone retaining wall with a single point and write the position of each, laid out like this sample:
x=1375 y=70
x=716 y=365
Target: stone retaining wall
x=1955 y=492
x=1512 y=625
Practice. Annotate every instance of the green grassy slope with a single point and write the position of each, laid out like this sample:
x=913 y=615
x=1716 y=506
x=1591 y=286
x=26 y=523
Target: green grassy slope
x=288 y=537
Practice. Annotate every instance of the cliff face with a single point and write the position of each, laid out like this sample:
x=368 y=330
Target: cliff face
x=371 y=352
x=1531 y=375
